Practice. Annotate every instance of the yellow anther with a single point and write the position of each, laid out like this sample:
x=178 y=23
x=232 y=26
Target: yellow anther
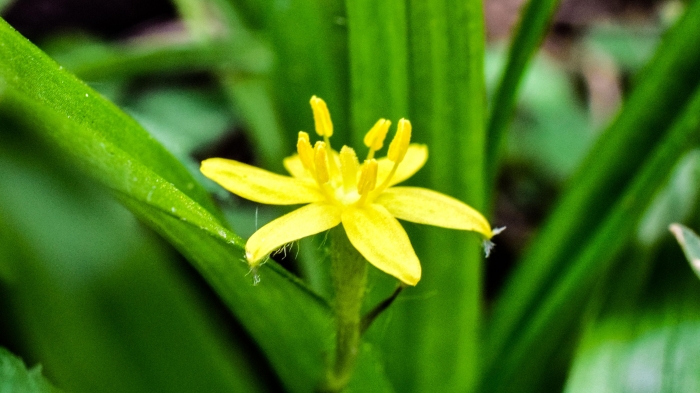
x=321 y=163
x=399 y=146
x=376 y=135
x=348 y=167
x=306 y=152
x=322 y=118
x=368 y=177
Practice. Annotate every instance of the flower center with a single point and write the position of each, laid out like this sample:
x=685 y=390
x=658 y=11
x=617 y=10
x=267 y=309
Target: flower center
x=339 y=176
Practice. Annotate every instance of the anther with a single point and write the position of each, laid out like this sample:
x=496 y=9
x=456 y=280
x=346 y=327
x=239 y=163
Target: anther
x=321 y=163
x=322 y=118
x=399 y=146
x=376 y=135
x=306 y=152
x=368 y=177
x=348 y=167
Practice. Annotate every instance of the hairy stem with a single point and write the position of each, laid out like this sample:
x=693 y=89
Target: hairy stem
x=349 y=271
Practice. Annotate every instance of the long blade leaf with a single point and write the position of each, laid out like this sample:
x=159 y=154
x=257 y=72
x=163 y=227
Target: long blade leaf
x=545 y=328
x=434 y=342
x=114 y=149
x=655 y=102
x=531 y=30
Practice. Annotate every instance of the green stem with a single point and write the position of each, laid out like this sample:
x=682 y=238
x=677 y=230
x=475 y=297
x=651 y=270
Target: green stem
x=349 y=271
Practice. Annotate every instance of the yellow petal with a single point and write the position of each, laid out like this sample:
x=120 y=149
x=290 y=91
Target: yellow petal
x=382 y=241
x=305 y=221
x=295 y=167
x=258 y=184
x=433 y=208
x=415 y=158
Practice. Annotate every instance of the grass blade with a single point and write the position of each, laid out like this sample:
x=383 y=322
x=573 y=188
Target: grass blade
x=107 y=144
x=655 y=102
x=690 y=243
x=531 y=30
x=656 y=332
x=378 y=64
x=545 y=328
x=432 y=330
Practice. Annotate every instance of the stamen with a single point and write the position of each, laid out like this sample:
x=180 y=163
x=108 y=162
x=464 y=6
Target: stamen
x=306 y=152
x=321 y=161
x=332 y=164
x=399 y=146
x=322 y=118
x=397 y=151
x=348 y=167
x=376 y=135
x=368 y=177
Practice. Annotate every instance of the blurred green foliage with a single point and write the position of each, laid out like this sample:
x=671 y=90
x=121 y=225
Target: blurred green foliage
x=14 y=376
x=121 y=267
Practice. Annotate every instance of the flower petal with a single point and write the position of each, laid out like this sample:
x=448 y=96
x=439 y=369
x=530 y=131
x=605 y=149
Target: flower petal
x=433 y=208
x=382 y=241
x=415 y=158
x=294 y=166
x=305 y=221
x=258 y=184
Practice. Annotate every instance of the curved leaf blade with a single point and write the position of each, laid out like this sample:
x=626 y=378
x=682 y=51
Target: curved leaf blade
x=690 y=243
x=656 y=102
x=110 y=146
x=15 y=377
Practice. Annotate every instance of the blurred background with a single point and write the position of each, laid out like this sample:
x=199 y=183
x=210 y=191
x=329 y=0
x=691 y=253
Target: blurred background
x=104 y=304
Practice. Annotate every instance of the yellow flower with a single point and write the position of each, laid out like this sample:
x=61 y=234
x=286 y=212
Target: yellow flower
x=338 y=189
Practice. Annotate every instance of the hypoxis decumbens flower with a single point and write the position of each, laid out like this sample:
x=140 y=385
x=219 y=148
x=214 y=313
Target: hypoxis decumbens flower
x=339 y=190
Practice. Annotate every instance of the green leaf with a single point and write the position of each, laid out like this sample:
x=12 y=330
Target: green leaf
x=369 y=374
x=638 y=354
x=103 y=303
x=651 y=344
x=94 y=61
x=675 y=202
x=598 y=185
x=551 y=129
x=531 y=30
x=309 y=39
x=4 y=4
x=690 y=243
x=104 y=142
x=543 y=330
x=252 y=99
x=182 y=119
x=378 y=64
x=629 y=46
x=247 y=92
x=430 y=344
x=15 y=377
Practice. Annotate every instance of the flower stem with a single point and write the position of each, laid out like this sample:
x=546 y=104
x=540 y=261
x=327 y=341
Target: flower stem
x=349 y=272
